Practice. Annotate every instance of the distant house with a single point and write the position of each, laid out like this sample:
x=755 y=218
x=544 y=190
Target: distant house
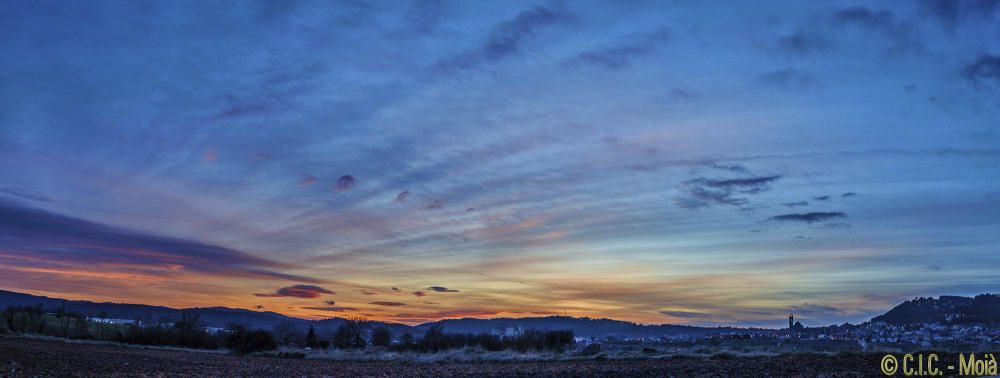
x=114 y=321
x=215 y=330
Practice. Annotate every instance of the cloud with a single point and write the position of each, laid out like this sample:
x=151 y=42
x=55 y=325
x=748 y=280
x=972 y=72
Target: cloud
x=434 y=205
x=392 y=304
x=402 y=196
x=809 y=309
x=368 y=292
x=984 y=73
x=449 y=314
x=788 y=79
x=703 y=192
x=243 y=110
x=420 y=293
x=809 y=217
x=883 y=22
x=864 y=16
x=395 y=288
x=424 y=15
x=24 y=194
x=953 y=12
x=822 y=198
x=330 y=302
x=299 y=291
x=440 y=289
x=685 y=314
x=506 y=38
x=621 y=55
x=849 y=194
x=331 y=309
x=737 y=168
x=753 y=183
x=802 y=44
x=463 y=313
x=836 y=225
x=308 y=180
x=796 y=204
x=345 y=183
x=54 y=239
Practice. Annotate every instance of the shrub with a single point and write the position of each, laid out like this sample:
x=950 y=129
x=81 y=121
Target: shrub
x=243 y=341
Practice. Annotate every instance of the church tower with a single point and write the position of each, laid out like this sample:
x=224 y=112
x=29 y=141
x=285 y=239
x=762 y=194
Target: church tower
x=791 y=321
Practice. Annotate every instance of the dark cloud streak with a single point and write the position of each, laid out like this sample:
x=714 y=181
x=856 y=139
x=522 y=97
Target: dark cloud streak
x=67 y=240
x=299 y=291
x=809 y=217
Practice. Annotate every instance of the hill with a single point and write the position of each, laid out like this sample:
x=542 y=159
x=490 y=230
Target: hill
x=209 y=316
x=984 y=308
x=585 y=327
x=223 y=316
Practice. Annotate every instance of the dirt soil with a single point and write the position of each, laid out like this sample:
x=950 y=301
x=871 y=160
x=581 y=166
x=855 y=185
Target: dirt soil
x=28 y=357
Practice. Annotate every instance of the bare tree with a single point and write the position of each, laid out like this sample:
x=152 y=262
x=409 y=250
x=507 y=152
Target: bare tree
x=285 y=333
x=351 y=333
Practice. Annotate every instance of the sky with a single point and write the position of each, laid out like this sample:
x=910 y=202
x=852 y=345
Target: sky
x=704 y=163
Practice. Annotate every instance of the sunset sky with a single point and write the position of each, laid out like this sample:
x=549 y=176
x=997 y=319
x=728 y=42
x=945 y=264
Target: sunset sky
x=702 y=163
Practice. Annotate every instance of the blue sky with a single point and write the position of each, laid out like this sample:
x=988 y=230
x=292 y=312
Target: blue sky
x=709 y=163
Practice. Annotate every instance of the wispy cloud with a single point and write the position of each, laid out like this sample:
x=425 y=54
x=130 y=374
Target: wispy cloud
x=60 y=239
x=390 y=304
x=703 y=192
x=402 y=196
x=507 y=37
x=801 y=43
x=619 y=55
x=308 y=180
x=28 y=195
x=332 y=309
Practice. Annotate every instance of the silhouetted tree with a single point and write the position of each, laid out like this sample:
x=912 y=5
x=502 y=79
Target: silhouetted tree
x=434 y=338
x=406 y=341
x=342 y=338
x=311 y=340
x=381 y=337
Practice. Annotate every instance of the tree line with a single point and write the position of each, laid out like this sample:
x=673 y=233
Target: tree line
x=435 y=339
x=188 y=331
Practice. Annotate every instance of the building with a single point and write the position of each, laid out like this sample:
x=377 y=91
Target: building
x=114 y=321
